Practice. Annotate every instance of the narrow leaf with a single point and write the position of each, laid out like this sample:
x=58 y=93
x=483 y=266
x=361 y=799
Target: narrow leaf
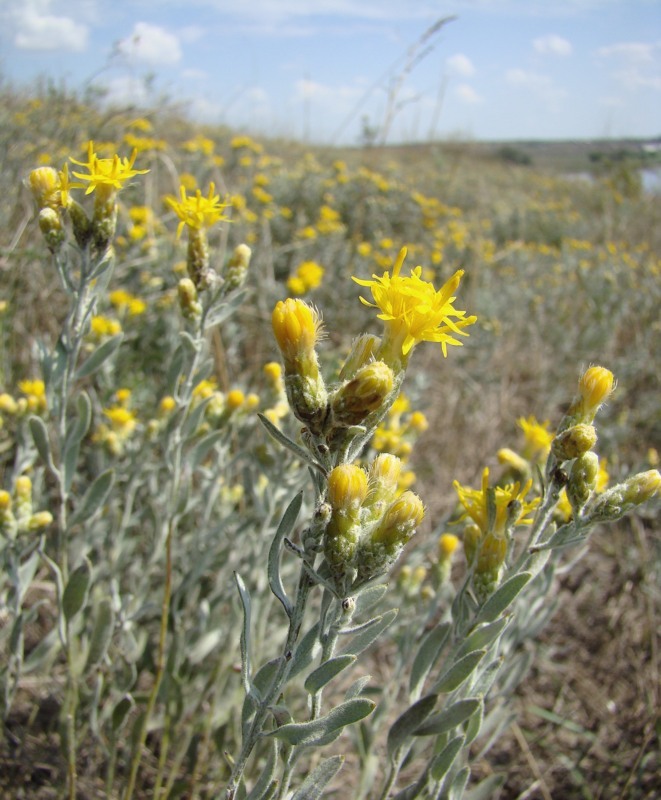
x=502 y=597
x=326 y=672
x=448 y=718
x=369 y=597
x=304 y=652
x=459 y=672
x=41 y=442
x=75 y=592
x=285 y=441
x=99 y=356
x=427 y=655
x=458 y=785
x=444 y=760
x=369 y=634
x=285 y=528
x=488 y=789
x=245 y=632
x=309 y=733
x=357 y=687
x=104 y=625
x=474 y=724
x=94 y=498
x=262 y=787
x=484 y=635
x=204 y=447
x=313 y=786
x=120 y=712
x=407 y=723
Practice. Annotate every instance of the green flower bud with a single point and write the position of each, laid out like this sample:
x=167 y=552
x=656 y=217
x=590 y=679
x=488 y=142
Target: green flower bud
x=617 y=501
x=366 y=392
x=582 y=480
x=574 y=441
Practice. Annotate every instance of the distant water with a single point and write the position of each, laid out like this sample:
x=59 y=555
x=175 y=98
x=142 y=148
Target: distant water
x=651 y=180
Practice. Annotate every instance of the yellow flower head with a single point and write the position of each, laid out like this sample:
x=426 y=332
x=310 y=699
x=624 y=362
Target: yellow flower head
x=49 y=187
x=538 y=437
x=296 y=326
x=109 y=172
x=413 y=311
x=197 y=212
x=475 y=503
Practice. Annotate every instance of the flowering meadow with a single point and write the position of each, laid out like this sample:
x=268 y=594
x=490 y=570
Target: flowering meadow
x=324 y=472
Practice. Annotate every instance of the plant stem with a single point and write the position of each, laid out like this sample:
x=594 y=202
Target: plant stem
x=304 y=585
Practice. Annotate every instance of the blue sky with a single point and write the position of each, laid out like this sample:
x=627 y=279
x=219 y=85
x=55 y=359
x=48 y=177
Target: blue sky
x=315 y=69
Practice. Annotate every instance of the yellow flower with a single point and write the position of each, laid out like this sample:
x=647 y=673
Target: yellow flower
x=475 y=503
x=538 y=437
x=109 y=172
x=197 y=212
x=413 y=311
x=123 y=420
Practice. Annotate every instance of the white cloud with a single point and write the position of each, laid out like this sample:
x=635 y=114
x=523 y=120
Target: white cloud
x=192 y=74
x=459 y=64
x=552 y=45
x=639 y=52
x=467 y=94
x=35 y=29
x=538 y=84
x=151 y=44
x=638 y=64
x=125 y=90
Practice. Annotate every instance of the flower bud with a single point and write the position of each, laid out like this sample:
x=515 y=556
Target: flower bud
x=582 y=480
x=188 y=302
x=383 y=481
x=617 y=501
x=513 y=461
x=400 y=521
x=347 y=488
x=237 y=267
x=489 y=565
x=39 y=521
x=197 y=259
x=595 y=386
x=361 y=353
x=296 y=327
x=50 y=225
x=574 y=441
x=8 y=526
x=366 y=392
x=23 y=498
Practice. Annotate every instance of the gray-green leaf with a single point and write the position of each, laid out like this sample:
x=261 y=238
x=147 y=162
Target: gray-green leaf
x=459 y=672
x=408 y=722
x=104 y=624
x=449 y=718
x=75 y=592
x=94 y=497
x=98 y=357
x=370 y=632
x=502 y=597
x=285 y=528
x=326 y=672
x=427 y=655
x=313 y=786
x=444 y=760
x=262 y=787
x=41 y=441
x=309 y=733
x=245 y=632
